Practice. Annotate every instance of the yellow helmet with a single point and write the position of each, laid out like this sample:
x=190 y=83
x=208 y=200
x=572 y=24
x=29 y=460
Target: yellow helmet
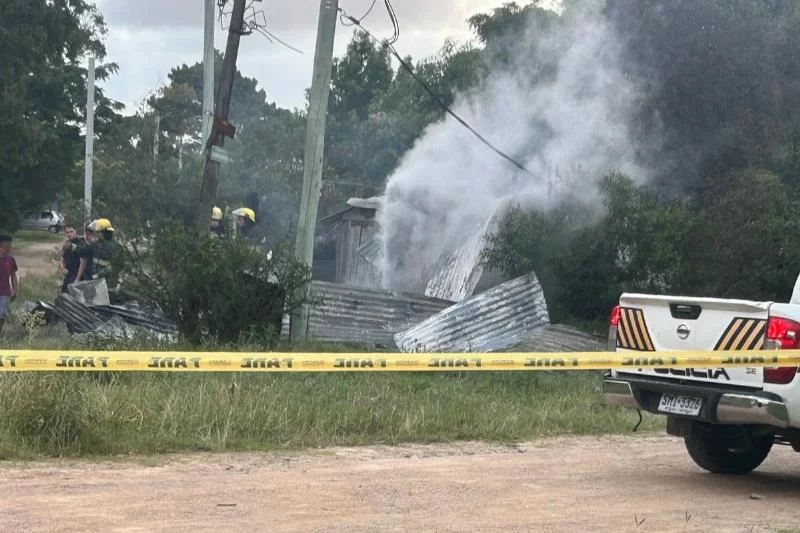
x=216 y=214
x=246 y=212
x=101 y=224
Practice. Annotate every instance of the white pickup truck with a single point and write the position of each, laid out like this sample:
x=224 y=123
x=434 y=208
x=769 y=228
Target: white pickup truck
x=729 y=418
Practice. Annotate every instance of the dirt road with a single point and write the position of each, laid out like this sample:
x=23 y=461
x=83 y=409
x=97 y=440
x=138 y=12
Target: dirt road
x=562 y=484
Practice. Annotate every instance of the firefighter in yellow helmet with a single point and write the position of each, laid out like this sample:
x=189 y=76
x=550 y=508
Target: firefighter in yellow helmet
x=245 y=220
x=106 y=252
x=217 y=224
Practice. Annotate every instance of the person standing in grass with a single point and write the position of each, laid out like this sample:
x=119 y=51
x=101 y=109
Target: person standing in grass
x=8 y=277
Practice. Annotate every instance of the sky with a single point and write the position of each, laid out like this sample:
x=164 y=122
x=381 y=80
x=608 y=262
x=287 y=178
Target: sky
x=149 y=37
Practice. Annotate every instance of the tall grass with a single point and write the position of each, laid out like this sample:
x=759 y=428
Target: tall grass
x=83 y=414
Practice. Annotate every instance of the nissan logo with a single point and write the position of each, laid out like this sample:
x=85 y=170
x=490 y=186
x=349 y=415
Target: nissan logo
x=683 y=331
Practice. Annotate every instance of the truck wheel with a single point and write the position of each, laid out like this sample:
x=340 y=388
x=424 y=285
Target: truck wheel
x=711 y=451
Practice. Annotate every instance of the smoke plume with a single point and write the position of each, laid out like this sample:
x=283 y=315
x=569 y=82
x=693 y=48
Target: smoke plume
x=566 y=119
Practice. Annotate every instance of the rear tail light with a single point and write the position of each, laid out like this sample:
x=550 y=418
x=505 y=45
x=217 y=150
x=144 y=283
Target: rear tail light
x=615 y=316
x=782 y=334
x=613 y=322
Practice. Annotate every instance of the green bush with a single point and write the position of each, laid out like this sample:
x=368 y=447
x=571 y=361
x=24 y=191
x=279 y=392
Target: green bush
x=739 y=243
x=222 y=290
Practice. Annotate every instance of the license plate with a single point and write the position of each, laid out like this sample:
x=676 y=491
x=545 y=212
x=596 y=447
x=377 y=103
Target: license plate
x=678 y=404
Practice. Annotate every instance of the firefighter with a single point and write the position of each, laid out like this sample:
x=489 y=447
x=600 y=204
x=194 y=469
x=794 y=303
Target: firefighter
x=217 y=223
x=106 y=252
x=245 y=221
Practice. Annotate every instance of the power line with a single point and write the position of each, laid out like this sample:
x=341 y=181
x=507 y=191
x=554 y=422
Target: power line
x=389 y=44
x=255 y=21
x=347 y=23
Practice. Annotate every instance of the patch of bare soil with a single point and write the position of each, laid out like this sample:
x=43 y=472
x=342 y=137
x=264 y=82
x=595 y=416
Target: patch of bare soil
x=635 y=483
x=37 y=260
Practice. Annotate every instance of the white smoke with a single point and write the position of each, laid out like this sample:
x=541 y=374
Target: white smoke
x=575 y=121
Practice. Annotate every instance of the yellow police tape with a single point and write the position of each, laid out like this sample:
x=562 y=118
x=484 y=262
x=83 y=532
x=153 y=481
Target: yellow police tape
x=53 y=360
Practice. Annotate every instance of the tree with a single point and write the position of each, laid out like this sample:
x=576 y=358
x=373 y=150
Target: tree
x=745 y=244
x=720 y=81
x=266 y=156
x=43 y=91
x=378 y=113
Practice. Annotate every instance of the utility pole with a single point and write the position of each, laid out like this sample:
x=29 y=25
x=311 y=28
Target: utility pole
x=87 y=176
x=208 y=69
x=314 y=151
x=220 y=128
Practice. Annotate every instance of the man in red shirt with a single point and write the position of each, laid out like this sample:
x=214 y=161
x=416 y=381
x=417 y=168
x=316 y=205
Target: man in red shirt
x=8 y=277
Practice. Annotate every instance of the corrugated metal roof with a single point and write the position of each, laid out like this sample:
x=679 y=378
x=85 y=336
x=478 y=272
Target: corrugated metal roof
x=559 y=338
x=369 y=317
x=488 y=322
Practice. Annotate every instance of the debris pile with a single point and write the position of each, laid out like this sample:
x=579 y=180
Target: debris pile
x=87 y=311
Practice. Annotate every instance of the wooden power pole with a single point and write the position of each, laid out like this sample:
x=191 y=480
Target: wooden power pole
x=220 y=127
x=315 y=147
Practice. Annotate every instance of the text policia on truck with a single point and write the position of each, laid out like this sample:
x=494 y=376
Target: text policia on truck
x=729 y=418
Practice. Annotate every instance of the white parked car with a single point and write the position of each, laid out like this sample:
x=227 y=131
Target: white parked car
x=46 y=220
x=729 y=418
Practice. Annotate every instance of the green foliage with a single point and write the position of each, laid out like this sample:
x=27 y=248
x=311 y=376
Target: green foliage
x=266 y=154
x=217 y=289
x=745 y=245
x=43 y=88
x=739 y=244
x=720 y=85
x=376 y=114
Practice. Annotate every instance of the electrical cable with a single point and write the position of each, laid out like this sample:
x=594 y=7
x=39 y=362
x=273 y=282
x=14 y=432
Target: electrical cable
x=345 y=22
x=436 y=98
x=270 y=36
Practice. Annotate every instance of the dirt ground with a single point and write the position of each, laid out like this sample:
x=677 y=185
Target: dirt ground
x=37 y=259
x=630 y=483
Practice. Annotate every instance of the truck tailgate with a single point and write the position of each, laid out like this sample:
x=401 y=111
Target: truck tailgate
x=667 y=323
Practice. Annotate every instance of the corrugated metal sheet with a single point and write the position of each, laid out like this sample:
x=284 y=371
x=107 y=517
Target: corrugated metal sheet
x=143 y=317
x=560 y=338
x=491 y=321
x=356 y=315
x=79 y=318
x=456 y=274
